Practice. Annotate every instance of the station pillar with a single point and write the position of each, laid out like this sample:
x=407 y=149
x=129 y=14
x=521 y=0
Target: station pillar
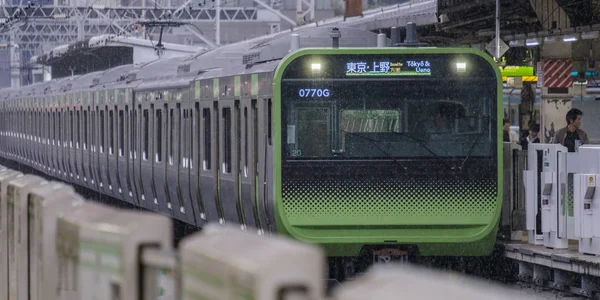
x=555 y=85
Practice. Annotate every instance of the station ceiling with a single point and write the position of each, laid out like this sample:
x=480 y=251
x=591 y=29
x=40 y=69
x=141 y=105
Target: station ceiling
x=473 y=21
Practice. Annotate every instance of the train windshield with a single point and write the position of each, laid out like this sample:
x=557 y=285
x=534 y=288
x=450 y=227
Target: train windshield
x=376 y=115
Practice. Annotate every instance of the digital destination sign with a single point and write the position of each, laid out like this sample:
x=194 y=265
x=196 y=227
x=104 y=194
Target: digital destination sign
x=389 y=68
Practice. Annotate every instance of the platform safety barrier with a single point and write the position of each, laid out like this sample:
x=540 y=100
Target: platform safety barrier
x=57 y=246
x=513 y=218
x=563 y=219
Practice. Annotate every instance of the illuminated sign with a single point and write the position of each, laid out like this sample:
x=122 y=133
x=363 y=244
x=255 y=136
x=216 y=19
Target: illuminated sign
x=516 y=71
x=388 y=68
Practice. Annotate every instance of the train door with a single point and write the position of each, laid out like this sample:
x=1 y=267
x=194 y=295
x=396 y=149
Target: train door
x=208 y=160
x=248 y=160
x=86 y=139
x=66 y=135
x=56 y=138
x=181 y=205
x=186 y=160
x=228 y=171
x=35 y=129
x=113 y=147
x=29 y=128
x=25 y=130
x=159 y=169
x=122 y=143
x=143 y=167
x=17 y=129
x=41 y=134
x=195 y=163
x=79 y=138
x=131 y=143
x=265 y=141
x=22 y=132
x=106 y=143
x=147 y=150
x=49 y=130
x=63 y=129
x=93 y=140
x=10 y=144
x=73 y=105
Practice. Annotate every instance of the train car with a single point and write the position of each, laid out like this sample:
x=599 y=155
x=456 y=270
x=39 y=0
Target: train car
x=351 y=148
x=389 y=146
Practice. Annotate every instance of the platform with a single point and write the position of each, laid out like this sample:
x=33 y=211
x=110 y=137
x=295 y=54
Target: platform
x=563 y=269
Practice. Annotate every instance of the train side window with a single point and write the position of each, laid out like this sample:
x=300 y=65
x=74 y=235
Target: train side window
x=71 y=129
x=246 y=140
x=56 y=118
x=111 y=132
x=133 y=133
x=78 y=136
x=255 y=133
x=238 y=136
x=146 y=132
x=121 y=131
x=101 y=131
x=171 y=135
x=60 y=126
x=227 y=140
x=94 y=132
x=185 y=142
x=64 y=128
x=190 y=138
x=85 y=129
x=207 y=157
x=269 y=121
x=159 y=135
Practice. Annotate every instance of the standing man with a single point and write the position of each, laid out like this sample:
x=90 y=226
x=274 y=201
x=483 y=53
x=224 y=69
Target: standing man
x=572 y=136
x=509 y=137
x=532 y=137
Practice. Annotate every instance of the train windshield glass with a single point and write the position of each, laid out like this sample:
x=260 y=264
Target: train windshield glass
x=379 y=116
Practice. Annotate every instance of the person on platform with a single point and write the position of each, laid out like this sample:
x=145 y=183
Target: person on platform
x=572 y=136
x=532 y=137
x=509 y=136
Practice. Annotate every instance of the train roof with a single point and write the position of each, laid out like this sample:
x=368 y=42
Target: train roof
x=252 y=56
x=235 y=57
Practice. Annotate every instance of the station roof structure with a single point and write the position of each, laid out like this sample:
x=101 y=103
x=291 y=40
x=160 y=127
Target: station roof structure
x=106 y=51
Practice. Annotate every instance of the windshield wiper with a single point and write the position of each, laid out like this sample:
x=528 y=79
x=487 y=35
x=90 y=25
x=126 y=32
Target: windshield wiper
x=374 y=142
x=472 y=148
x=422 y=143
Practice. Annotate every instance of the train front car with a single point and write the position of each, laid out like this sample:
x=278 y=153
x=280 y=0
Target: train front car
x=389 y=147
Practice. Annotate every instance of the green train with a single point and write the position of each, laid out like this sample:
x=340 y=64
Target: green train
x=351 y=148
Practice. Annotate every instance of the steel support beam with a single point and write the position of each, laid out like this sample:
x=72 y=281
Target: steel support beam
x=278 y=13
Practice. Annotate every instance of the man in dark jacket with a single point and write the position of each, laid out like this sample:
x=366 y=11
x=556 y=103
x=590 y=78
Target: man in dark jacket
x=532 y=137
x=572 y=136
